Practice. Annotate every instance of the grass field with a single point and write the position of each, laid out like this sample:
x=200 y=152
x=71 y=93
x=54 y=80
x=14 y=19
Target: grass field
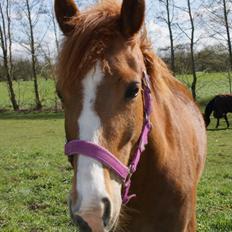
x=208 y=85
x=25 y=94
x=35 y=176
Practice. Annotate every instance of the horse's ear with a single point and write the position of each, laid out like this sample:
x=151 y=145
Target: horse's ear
x=65 y=10
x=132 y=16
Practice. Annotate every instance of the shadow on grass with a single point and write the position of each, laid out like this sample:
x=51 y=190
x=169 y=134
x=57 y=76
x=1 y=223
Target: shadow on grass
x=219 y=129
x=224 y=225
x=30 y=115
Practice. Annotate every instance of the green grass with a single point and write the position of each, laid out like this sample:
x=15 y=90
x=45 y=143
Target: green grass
x=24 y=91
x=208 y=85
x=215 y=189
x=35 y=176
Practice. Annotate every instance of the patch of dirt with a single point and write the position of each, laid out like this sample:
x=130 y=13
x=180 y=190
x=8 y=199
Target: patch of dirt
x=36 y=206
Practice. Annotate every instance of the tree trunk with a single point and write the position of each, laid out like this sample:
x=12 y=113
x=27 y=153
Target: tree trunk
x=228 y=41
x=171 y=37
x=57 y=50
x=8 y=70
x=33 y=59
x=194 y=82
x=55 y=32
x=228 y=33
x=10 y=40
x=10 y=87
x=230 y=82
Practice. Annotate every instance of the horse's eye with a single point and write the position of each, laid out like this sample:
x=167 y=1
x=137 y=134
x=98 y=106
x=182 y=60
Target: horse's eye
x=132 y=90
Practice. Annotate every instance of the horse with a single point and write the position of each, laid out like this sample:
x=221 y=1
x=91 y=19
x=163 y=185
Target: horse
x=220 y=105
x=125 y=124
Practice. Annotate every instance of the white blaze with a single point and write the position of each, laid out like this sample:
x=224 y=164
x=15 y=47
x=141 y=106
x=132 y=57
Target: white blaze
x=90 y=176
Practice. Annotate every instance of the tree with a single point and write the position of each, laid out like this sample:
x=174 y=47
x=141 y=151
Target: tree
x=52 y=16
x=6 y=45
x=30 y=36
x=194 y=82
x=219 y=21
x=29 y=8
x=187 y=26
x=226 y=12
x=168 y=19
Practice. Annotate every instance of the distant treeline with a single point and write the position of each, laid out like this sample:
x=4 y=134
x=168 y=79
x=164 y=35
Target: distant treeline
x=209 y=59
x=22 y=70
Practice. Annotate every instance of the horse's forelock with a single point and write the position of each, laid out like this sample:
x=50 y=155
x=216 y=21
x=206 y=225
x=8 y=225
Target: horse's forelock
x=80 y=51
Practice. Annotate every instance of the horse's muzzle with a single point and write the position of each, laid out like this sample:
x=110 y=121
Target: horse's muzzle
x=81 y=223
x=91 y=222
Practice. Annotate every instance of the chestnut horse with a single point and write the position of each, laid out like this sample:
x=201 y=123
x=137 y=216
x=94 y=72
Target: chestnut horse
x=101 y=69
x=220 y=105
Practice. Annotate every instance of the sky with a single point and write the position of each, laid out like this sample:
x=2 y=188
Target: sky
x=157 y=29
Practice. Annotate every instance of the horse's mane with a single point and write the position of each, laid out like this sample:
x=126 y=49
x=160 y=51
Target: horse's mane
x=94 y=28
x=161 y=78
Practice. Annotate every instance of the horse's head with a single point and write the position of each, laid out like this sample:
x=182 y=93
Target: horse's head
x=100 y=72
x=206 y=119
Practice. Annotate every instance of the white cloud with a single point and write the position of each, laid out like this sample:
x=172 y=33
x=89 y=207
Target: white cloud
x=19 y=51
x=158 y=34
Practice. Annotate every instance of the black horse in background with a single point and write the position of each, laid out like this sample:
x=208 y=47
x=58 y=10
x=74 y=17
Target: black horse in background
x=220 y=105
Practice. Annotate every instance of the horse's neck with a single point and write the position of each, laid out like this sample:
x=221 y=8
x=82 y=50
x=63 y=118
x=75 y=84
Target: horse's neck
x=151 y=181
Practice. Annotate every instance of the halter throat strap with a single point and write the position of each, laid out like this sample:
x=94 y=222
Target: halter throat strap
x=105 y=157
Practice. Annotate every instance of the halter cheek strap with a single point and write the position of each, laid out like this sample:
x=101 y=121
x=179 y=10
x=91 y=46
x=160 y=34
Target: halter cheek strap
x=105 y=157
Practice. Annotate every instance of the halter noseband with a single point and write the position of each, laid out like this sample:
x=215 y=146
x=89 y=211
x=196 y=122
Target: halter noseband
x=105 y=157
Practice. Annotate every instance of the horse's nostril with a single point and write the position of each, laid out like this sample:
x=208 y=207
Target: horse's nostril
x=82 y=225
x=107 y=211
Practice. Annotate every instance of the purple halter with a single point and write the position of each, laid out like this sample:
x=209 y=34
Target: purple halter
x=99 y=153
